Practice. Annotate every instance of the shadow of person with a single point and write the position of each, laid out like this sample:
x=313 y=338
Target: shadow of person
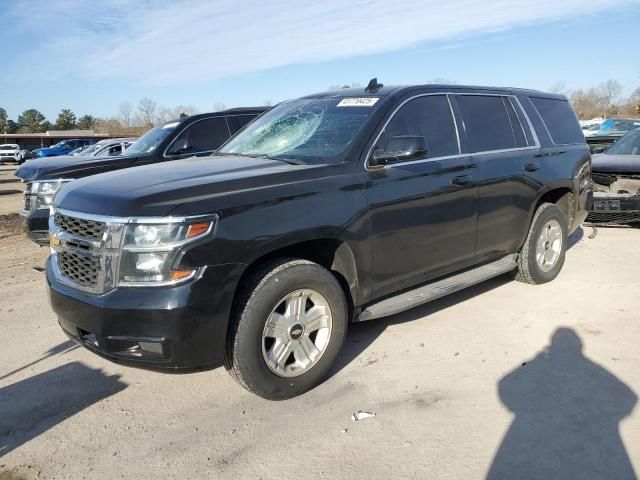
x=567 y=410
x=32 y=406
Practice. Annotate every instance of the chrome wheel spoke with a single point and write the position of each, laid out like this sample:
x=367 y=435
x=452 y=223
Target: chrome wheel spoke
x=315 y=319
x=276 y=326
x=305 y=351
x=280 y=353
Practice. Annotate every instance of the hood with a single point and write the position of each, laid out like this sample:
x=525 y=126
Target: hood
x=69 y=166
x=156 y=190
x=615 y=163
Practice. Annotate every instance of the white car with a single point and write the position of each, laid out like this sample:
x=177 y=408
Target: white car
x=12 y=152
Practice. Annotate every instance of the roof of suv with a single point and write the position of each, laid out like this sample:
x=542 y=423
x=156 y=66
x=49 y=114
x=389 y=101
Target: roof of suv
x=229 y=111
x=400 y=89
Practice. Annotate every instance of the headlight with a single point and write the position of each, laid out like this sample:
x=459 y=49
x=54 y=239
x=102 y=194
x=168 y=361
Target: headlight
x=151 y=252
x=42 y=193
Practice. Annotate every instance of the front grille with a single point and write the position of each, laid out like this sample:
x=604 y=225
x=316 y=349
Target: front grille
x=78 y=226
x=620 y=218
x=27 y=203
x=79 y=269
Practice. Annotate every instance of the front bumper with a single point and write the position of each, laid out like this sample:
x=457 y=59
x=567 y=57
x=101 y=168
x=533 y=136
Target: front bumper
x=179 y=327
x=614 y=208
x=36 y=225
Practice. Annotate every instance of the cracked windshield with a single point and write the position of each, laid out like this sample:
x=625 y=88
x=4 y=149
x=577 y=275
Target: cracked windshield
x=304 y=131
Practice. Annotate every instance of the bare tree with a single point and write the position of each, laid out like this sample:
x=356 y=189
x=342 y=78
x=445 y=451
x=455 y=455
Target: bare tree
x=558 y=87
x=218 y=107
x=166 y=114
x=147 y=111
x=608 y=94
x=126 y=113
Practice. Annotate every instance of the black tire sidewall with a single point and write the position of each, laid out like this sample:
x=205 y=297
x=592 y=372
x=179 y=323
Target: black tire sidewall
x=551 y=212
x=249 y=359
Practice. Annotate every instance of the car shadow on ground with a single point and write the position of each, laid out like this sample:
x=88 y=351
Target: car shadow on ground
x=361 y=335
x=567 y=412
x=32 y=406
x=61 y=348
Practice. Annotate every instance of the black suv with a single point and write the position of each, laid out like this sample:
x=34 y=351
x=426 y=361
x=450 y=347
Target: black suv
x=338 y=207
x=188 y=136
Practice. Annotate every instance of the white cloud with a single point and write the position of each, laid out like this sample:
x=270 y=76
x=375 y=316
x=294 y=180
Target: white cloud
x=178 y=42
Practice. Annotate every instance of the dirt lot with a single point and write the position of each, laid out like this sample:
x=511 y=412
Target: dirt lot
x=502 y=381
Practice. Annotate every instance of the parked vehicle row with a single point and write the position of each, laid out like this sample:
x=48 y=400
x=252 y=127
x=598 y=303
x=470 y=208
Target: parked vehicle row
x=195 y=135
x=338 y=207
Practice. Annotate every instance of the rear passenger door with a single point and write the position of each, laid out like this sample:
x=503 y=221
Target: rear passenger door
x=501 y=144
x=422 y=211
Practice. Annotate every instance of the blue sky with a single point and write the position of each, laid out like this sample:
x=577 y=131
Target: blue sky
x=92 y=55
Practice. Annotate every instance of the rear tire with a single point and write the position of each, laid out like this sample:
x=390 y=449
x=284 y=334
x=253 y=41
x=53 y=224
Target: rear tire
x=543 y=253
x=288 y=326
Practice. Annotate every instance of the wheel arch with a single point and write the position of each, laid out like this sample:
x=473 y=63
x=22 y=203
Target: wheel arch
x=561 y=195
x=332 y=253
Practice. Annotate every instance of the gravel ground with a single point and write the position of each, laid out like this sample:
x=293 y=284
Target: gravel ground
x=504 y=380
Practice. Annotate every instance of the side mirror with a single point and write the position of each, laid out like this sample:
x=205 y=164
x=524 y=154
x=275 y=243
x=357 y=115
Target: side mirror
x=599 y=150
x=399 y=148
x=179 y=146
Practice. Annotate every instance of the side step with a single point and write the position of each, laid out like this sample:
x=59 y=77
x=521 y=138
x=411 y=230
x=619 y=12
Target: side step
x=438 y=289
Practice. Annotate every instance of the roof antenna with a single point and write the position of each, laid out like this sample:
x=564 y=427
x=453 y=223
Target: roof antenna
x=373 y=86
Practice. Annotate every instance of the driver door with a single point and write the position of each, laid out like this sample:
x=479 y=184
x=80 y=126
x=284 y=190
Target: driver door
x=423 y=211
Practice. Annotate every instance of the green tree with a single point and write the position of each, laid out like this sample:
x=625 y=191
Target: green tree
x=87 y=122
x=12 y=127
x=31 y=121
x=66 y=120
x=3 y=120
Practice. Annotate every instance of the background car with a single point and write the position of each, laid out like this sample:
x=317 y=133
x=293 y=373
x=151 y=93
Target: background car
x=617 y=126
x=616 y=182
x=10 y=152
x=63 y=147
x=188 y=136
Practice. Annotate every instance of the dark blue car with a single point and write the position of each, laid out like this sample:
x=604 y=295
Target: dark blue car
x=63 y=147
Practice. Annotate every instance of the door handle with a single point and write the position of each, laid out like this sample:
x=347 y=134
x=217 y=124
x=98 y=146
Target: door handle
x=462 y=180
x=531 y=167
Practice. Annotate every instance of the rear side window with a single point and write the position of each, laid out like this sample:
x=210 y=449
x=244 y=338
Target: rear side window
x=560 y=120
x=430 y=117
x=236 y=122
x=205 y=135
x=486 y=123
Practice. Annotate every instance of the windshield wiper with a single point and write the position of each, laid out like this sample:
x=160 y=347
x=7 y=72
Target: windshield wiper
x=285 y=160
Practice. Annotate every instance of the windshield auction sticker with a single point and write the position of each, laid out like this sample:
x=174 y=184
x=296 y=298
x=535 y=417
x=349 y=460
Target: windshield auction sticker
x=358 y=102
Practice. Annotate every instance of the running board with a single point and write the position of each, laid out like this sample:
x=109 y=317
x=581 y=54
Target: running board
x=438 y=289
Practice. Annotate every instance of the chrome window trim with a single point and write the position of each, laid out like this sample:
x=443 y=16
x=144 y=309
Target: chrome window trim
x=455 y=124
x=460 y=155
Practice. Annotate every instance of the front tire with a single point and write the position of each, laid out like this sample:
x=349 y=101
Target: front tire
x=543 y=253
x=287 y=328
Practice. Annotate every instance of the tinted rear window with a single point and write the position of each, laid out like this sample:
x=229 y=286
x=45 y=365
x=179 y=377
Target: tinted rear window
x=486 y=123
x=560 y=120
